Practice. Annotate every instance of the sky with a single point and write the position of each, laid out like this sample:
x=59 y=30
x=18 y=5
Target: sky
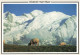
x=19 y=9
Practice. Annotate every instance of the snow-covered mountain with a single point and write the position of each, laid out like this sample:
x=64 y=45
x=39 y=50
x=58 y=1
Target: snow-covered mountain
x=51 y=28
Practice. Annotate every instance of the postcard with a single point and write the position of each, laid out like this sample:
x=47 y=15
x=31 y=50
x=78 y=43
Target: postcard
x=40 y=27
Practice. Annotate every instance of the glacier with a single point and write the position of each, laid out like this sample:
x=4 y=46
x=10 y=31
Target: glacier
x=51 y=28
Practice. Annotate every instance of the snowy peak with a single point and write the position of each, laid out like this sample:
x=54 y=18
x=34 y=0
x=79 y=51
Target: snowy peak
x=35 y=13
x=6 y=14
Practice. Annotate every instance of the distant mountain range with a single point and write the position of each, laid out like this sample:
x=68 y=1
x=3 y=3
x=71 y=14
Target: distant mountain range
x=51 y=28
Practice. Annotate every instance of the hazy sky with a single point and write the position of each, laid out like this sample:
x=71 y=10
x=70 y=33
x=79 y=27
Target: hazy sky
x=19 y=9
